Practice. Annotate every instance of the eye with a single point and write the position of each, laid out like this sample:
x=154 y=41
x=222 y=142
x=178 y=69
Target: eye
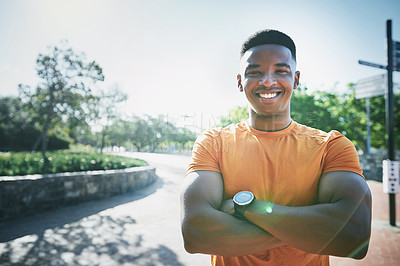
x=282 y=71
x=253 y=73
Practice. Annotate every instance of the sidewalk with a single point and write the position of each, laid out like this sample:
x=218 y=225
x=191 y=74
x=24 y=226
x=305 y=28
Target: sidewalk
x=384 y=248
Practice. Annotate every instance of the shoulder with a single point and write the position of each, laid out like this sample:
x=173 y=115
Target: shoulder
x=338 y=152
x=304 y=130
x=336 y=141
x=212 y=139
x=207 y=149
x=221 y=132
x=305 y=133
x=331 y=137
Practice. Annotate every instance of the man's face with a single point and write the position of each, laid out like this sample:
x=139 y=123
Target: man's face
x=268 y=77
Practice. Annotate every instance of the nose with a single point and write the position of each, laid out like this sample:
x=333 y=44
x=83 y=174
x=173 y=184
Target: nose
x=268 y=80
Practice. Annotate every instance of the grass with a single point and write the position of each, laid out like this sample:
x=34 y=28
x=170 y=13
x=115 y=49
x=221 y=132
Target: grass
x=27 y=163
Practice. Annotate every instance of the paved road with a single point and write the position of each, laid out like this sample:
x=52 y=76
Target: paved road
x=140 y=228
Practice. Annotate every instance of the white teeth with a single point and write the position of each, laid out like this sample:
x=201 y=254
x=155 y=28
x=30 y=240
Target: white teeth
x=268 y=95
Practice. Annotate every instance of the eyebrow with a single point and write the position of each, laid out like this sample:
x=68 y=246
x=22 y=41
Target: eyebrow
x=253 y=66
x=283 y=65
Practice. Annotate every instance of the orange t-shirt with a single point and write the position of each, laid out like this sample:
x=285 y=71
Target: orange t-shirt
x=282 y=167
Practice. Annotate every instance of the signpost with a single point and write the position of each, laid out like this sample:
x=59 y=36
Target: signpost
x=365 y=63
x=390 y=177
x=366 y=88
x=393 y=64
x=374 y=86
x=371 y=87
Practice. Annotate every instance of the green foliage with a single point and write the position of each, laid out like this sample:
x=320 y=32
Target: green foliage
x=17 y=130
x=108 y=109
x=149 y=133
x=21 y=163
x=236 y=115
x=332 y=111
x=314 y=110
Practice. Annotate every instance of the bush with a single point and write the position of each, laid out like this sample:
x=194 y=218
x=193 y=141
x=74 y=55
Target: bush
x=22 y=163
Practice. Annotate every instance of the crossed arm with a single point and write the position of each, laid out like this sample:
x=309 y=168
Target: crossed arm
x=340 y=224
x=209 y=230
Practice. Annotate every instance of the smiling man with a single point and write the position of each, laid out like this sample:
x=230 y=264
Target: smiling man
x=270 y=191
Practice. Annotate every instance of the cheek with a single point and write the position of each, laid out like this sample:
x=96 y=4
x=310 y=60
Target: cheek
x=250 y=83
x=287 y=82
x=286 y=78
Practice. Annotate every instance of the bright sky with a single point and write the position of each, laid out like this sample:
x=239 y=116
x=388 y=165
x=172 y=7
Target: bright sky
x=182 y=56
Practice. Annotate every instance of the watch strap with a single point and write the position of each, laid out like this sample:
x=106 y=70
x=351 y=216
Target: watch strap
x=239 y=211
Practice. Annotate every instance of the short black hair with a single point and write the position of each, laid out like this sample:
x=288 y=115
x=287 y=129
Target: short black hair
x=269 y=36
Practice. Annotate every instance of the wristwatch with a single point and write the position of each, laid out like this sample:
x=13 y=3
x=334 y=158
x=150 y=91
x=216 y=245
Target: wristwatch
x=241 y=200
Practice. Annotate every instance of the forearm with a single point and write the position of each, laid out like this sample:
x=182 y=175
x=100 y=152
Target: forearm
x=319 y=229
x=218 y=233
x=208 y=228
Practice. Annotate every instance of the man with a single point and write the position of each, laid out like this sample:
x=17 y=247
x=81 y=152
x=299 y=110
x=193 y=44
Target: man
x=270 y=191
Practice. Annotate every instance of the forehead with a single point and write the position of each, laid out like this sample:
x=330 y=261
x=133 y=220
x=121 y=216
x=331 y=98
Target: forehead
x=267 y=53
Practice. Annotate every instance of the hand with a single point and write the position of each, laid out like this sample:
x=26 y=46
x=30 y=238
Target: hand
x=228 y=207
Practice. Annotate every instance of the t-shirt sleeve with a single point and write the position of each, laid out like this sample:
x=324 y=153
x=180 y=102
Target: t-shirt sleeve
x=341 y=155
x=205 y=153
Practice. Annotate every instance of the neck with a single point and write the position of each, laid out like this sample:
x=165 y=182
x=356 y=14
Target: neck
x=269 y=123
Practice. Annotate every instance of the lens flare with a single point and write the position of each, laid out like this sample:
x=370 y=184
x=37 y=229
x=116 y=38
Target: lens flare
x=269 y=207
x=361 y=247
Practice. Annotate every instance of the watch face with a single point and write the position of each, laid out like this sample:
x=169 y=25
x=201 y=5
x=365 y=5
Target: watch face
x=243 y=197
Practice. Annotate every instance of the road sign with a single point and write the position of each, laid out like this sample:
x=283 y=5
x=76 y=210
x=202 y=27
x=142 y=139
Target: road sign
x=396 y=45
x=365 y=63
x=374 y=86
x=370 y=87
x=396 y=56
x=390 y=178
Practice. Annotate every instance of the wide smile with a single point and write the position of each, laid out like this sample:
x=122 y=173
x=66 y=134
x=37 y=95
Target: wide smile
x=264 y=96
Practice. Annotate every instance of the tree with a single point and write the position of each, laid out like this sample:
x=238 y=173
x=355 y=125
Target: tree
x=64 y=92
x=235 y=115
x=150 y=133
x=314 y=109
x=107 y=110
x=17 y=130
x=377 y=118
x=351 y=116
x=142 y=133
x=159 y=131
x=328 y=111
x=13 y=121
x=184 y=138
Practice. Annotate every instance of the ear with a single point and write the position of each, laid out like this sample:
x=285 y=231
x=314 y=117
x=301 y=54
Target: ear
x=239 y=82
x=296 y=80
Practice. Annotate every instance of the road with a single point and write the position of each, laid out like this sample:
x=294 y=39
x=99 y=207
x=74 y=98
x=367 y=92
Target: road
x=139 y=228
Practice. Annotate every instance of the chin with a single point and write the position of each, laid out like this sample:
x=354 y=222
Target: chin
x=264 y=113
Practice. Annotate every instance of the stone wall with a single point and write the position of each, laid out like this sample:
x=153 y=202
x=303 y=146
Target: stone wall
x=372 y=164
x=22 y=195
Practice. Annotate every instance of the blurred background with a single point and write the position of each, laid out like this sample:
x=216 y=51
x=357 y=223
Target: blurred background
x=82 y=82
x=173 y=65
